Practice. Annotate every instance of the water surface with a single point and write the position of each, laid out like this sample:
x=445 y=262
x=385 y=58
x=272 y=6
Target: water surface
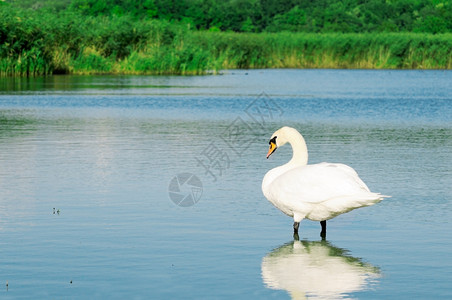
x=86 y=163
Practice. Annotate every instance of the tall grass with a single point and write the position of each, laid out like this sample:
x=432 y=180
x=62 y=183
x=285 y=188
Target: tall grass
x=72 y=44
x=199 y=52
x=368 y=51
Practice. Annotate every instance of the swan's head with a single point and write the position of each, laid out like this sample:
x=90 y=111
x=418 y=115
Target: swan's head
x=281 y=137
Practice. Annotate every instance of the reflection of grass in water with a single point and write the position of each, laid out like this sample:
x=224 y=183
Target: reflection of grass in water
x=83 y=82
x=12 y=126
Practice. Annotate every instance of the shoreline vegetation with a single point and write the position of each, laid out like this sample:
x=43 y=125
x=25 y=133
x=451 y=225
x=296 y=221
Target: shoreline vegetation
x=34 y=43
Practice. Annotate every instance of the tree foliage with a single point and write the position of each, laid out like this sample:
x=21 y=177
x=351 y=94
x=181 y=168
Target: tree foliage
x=359 y=16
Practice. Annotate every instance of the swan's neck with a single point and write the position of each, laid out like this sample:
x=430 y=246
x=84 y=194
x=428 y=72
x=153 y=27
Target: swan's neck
x=299 y=149
x=299 y=158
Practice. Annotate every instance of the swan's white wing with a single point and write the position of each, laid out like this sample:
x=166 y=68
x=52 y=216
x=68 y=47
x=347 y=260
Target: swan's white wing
x=318 y=183
x=330 y=189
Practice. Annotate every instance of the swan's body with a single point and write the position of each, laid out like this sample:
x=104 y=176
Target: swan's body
x=316 y=192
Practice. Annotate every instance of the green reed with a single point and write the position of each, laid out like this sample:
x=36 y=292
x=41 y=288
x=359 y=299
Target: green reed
x=42 y=44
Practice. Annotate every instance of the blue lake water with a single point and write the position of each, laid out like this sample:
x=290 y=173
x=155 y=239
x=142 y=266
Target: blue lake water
x=91 y=169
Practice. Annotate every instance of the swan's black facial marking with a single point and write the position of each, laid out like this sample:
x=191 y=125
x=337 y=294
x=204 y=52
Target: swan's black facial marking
x=273 y=146
x=273 y=140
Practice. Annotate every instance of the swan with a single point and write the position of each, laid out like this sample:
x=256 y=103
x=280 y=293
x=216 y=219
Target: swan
x=317 y=192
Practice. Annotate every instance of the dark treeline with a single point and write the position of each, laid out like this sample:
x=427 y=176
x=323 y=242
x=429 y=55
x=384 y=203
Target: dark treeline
x=194 y=36
x=318 y=16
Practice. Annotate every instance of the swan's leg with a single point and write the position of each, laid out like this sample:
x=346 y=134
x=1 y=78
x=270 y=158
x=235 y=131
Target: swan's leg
x=323 y=232
x=296 y=224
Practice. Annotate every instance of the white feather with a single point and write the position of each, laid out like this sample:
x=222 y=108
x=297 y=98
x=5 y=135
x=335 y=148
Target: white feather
x=317 y=192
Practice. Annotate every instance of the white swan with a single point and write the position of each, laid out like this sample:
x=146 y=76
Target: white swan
x=316 y=192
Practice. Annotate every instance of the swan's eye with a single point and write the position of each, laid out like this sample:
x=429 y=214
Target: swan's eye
x=273 y=140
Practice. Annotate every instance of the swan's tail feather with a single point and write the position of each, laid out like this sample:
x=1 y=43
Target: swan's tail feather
x=344 y=204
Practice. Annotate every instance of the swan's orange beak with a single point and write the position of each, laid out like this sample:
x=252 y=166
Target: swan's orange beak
x=272 y=149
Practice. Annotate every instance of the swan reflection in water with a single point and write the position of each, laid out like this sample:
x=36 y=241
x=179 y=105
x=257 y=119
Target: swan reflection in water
x=316 y=270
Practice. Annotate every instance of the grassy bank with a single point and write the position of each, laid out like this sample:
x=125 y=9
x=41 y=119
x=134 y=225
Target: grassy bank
x=72 y=44
x=200 y=52
x=298 y=50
